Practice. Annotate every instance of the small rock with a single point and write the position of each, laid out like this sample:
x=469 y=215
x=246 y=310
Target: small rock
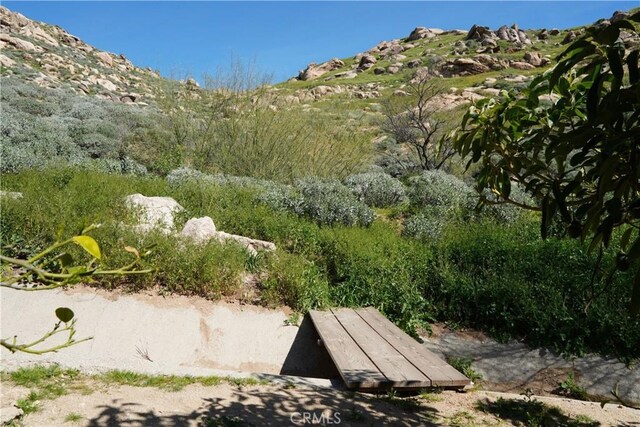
x=251 y=245
x=470 y=66
x=200 y=230
x=378 y=70
x=11 y=194
x=393 y=69
x=519 y=65
x=414 y=63
x=535 y=59
x=107 y=84
x=7 y=62
x=571 y=36
x=478 y=32
x=366 y=62
x=9 y=414
x=314 y=70
x=618 y=16
x=423 y=33
x=18 y=43
x=347 y=74
x=105 y=58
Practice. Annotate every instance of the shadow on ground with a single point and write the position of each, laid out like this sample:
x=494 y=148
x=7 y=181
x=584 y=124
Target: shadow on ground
x=532 y=412
x=279 y=407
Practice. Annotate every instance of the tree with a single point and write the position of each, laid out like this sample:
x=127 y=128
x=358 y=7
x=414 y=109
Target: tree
x=579 y=157
x=417 y=126
x=51 y=269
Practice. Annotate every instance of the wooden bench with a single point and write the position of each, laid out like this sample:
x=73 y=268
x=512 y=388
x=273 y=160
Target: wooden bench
x=371 y=353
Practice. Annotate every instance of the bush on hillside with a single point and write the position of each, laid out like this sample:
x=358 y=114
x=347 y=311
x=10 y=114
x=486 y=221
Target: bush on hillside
x=42 y=126
x=427 y=225
x=438 y=188
x=329 y=202
x=506 y=213
x=376 y=189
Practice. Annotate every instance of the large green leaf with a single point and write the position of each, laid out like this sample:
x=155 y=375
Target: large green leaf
x=64 y=314
x=88 y=244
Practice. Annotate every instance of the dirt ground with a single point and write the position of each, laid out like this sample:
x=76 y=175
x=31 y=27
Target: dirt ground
x=277 y=405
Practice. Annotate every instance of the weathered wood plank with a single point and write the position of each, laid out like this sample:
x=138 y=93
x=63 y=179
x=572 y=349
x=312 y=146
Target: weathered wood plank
x=437 y=370
x=393 y=365
x=355 y=367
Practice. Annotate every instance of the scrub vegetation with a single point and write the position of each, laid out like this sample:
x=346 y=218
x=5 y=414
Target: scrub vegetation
x=444 y=239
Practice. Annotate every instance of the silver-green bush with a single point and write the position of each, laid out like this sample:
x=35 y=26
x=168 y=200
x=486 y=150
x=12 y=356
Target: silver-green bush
x=437 y=188
x=329 y=202
x=376 y=189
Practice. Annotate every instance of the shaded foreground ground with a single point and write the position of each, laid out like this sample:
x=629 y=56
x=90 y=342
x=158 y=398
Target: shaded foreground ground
x=270 y=405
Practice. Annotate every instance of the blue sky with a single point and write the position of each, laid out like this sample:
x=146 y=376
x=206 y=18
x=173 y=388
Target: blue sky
x=179 y=38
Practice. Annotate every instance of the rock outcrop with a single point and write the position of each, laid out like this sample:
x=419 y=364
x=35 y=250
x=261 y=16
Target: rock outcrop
x=487 y=37
x=366 y=62
x=423 y=33
x=313 y=70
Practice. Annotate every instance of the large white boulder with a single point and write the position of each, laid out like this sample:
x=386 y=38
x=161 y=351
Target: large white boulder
x=155 y=212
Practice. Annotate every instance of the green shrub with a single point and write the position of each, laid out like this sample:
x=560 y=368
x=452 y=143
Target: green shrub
x=377 y=267
x=437 y=188
x=506 y=213
x=425 y=226
x=296 y=282
x=376 y=189
x=329 y=202
x=509 y=282
x=500 y=279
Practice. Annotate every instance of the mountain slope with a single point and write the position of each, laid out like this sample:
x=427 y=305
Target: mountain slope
x=50 y=57
x=472 y=63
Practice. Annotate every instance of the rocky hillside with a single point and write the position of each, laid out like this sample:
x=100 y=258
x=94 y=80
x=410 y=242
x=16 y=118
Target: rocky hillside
x=50 y=57
x=477 y=62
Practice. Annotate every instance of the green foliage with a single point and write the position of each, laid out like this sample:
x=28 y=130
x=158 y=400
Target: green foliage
x=578 y=158
x=378 y=268
x=570 y=388
x=72 y=417
x=427 y=226
x=498 y=278
x=376 y=189
x=238 y=126
x=53 y=268
x=465 y=366
x=329 y=202
x=532 y=413
x=440 y=189
x=38 y=376
x=512 y=284
x=296 y=282
x=169 y=382
x=44 y=382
